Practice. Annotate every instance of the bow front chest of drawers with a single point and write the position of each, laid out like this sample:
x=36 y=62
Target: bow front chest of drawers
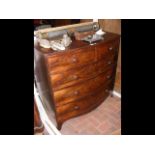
x=79 y=79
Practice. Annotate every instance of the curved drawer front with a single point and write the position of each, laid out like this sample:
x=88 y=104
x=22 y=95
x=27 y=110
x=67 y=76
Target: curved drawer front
x=75 y=92
x=65 y=61
x=84 y=105
x=72 y=77
x=111 y=48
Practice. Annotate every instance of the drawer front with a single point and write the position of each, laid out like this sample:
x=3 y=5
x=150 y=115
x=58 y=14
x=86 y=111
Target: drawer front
x=75 y=92
x=71 y=77
x=85 y=104
x=65 y=61
x=111 y=48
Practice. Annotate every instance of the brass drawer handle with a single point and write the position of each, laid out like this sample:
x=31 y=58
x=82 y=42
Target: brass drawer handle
x=110 y=48
x=108 y=76
x=76 y=92
x=101 y=70
x=75 y=77
x=76 y=107
x=74 y=60
x=109 y=62
x=107 y=91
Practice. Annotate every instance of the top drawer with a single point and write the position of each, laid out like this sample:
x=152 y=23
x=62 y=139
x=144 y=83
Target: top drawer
x=110 y=48
x=69 y=60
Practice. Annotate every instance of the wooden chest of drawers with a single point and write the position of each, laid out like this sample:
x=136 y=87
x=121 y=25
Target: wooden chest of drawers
x=77 y=80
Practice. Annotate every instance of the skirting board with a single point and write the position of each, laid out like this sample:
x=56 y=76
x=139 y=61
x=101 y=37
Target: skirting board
x=116 y=94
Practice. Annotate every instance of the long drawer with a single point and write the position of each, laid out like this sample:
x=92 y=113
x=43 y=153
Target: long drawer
x=65 y=61
x=75 y=92
x=77 y=75
x=85 y=104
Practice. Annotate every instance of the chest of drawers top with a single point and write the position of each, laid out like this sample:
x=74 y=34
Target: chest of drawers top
x=77 y=45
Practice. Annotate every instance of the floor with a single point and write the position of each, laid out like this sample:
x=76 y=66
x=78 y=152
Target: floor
x=104 y=120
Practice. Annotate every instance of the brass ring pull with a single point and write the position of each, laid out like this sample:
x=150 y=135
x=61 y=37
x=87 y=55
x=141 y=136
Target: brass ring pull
x=75 y=76
x=109 y=62
x=76 y=107
x=108 y=76
x=110 y=48
x=106 y=90
x=76 y=92
x=74 y=60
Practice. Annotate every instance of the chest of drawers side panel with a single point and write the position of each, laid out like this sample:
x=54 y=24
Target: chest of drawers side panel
x=42 y=82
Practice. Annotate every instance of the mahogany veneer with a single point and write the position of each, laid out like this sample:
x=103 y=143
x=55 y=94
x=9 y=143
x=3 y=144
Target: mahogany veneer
x=77 y=80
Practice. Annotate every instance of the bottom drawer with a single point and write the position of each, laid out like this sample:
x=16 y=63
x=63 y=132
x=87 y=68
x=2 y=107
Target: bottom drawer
x=83 y=105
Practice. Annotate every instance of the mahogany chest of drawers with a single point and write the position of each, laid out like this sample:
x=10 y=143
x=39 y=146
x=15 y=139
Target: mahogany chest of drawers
x=79 y=79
